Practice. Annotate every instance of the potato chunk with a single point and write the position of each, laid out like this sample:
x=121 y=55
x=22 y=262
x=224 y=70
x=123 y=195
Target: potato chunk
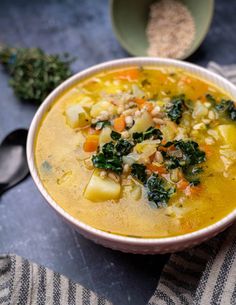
x=228 y=133
x=102 y=106
x=105 y=136
x=142 y=123
x=76 y=116
x=101 y=189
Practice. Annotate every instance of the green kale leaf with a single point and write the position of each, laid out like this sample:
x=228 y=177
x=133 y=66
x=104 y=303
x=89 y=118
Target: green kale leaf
x=123 y=147
x=175 y=111
x=101 y=124
x=151 y=132
x=158 y=191
x=139 y=171
x=227 y=107
x=115 y=135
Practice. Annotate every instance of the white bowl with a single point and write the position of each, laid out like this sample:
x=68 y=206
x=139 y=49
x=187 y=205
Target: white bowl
x=128 y=244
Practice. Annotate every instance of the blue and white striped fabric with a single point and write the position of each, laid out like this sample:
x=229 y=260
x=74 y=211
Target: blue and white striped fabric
x=204 y=275
x=25 y=283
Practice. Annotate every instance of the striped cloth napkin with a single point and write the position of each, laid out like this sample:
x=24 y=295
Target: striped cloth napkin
x=204 y=275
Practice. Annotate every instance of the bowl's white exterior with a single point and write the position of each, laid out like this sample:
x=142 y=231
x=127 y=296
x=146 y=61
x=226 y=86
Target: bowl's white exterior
x=128 y=244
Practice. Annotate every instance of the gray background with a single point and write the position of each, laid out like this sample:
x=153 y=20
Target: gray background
x=28 y=226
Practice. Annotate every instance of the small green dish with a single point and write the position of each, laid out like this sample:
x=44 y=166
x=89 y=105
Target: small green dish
x=129 y=20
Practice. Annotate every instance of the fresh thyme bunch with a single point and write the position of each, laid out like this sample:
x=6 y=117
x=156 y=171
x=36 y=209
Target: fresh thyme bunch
x=34 y=74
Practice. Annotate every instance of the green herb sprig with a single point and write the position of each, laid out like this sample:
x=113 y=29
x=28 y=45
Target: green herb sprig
x=34 y=74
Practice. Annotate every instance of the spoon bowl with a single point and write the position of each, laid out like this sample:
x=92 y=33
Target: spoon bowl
x=13 y=162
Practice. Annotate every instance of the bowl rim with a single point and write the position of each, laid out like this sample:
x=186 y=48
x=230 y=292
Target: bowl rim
x=106 y=66
x=188 y=52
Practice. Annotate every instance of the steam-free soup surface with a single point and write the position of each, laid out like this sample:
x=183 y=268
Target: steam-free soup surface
x=142 y=151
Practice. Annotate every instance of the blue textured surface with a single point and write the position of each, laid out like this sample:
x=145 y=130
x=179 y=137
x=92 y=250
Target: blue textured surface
x=28 y=226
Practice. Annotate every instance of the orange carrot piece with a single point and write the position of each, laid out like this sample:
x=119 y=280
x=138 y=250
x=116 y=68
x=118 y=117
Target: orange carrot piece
x=129 y=74
x=182 y=184
x=207 y=149
x=156 y=169
x=147 y=105
x=91 y=143
x=119 y=123
x=193 y=190
x=186 y=80
x=93 y=131
x=162 y=148
x=139 y=101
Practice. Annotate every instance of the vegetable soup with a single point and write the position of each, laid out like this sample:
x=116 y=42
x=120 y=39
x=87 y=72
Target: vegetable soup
x=141 y=151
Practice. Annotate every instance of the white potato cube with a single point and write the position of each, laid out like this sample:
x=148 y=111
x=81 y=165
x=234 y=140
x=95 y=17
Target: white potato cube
x=142 y=123
x=102 y=106
x=228 y=133
x=105 y=136
x=102 y=189
x=76 y=116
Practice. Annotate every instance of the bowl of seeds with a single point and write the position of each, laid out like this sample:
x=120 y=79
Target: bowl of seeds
x=161 y=28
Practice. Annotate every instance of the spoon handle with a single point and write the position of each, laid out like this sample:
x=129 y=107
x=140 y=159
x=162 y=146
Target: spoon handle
x=3 y=187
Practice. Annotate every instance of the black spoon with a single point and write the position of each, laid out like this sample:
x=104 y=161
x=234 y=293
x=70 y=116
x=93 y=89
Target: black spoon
x=13 y=161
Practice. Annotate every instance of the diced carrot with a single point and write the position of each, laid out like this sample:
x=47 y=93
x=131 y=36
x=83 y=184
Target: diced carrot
x=94 y=131
x=147 y=105
x=156 y=169
x=91 y=143
x=130 y=74
x=207 y=149
x=202 y=98
x=186 y=80
x=182 y=184
x=162 y=148
x=119 y=123
x=158 y=126
x=140 y=101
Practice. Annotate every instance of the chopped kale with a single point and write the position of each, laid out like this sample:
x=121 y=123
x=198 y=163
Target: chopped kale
x=227 y=107
x=108 y=149
x=192 y=155
x=175 y=111
x=194 y=182
x=187 y=154
x=196 y=170
x=115 y=135
x=101 y=124
x=151 y=132
x=123 y=147
x=139 y=171
x=172 y=162
x=138 y=137
x=110 y=158
x=191 y=174
x=158 y=191
x=210 y=99
x=113 y=163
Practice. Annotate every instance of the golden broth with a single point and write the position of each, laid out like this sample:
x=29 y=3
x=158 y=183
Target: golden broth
x=60 y=157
